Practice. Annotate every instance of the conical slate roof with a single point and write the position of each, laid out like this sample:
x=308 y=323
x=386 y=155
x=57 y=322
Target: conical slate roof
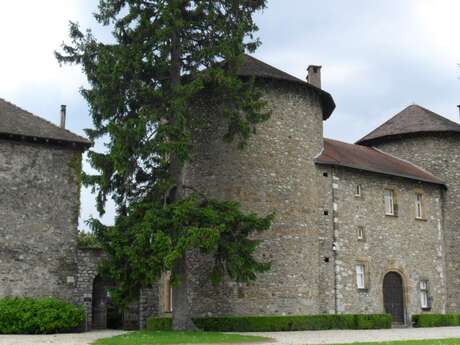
x=19 y=124
x=252 y=67
x=413 y=119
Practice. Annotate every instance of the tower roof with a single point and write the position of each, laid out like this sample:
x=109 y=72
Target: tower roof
x=252 y=67
x=19 y=124
x=412 y=119
x=370 y=159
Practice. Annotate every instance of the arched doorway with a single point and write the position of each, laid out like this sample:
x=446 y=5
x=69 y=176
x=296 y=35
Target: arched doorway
x=104 y=313
x=393 y=296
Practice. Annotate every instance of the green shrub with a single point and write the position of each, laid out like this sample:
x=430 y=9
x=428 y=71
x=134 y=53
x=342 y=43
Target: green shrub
x=436 y=320
x=280 y=323
x=159 y=324
x=38 y=316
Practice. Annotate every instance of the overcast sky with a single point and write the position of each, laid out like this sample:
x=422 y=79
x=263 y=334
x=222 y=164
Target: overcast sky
x=378 y=56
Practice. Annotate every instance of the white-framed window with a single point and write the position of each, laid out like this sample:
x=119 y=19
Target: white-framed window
x=419 y=205
x=389 y=202
x=358 y=190
x=360 y=276
x=424 y=302
x=360 y=233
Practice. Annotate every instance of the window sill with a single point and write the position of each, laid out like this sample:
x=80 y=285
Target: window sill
x=391 y=215
x=363 y=290
x=421 y=219
x=426 y=309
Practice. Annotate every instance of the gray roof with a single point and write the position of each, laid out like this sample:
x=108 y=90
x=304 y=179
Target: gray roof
x=252 y=67
x=370 y=159
x=411 y=120
x=19 y=124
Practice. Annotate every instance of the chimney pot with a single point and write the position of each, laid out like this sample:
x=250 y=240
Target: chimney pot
x=63 y=115
x=314 y=75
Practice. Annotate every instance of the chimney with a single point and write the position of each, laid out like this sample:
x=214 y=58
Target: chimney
x=314 y=75
x=458 y=106
x=63 y=115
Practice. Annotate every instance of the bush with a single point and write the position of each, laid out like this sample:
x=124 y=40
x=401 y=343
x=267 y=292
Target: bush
x=436 y=320
x=38 y=316
x=159 y=324
x=280 y=323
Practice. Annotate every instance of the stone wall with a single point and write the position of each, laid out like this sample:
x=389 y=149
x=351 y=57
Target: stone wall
x=275 y=172
x=39 y=208
x=440 y=155
x=414 y=248
x=136 y=314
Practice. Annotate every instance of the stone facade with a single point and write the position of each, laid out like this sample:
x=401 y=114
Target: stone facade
x=414 y=248
x=275 y=172
x=313 y=244
x=38 y=219
x=440 y=155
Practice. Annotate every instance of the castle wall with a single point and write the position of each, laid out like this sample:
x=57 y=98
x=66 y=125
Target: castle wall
x=275 y=172
x=440 y=155
x=414 y=248
x=39 y=208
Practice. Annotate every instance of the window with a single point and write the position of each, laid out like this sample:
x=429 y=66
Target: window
x=361 y=276
x=360 y=233
x=358 y=190
x=389 y=202
x=419 y=205
x=424 y=300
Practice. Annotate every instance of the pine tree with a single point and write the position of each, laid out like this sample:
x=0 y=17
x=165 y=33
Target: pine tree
x=141 y=94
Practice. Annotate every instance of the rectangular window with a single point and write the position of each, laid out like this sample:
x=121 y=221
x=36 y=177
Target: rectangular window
x=419 y=206
x=424 y=294
x=361 y=233
x=389 y=202
x=360 y=276
x=358 y=190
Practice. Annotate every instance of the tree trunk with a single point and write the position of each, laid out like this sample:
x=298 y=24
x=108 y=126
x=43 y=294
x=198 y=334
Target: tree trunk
x=181 y=313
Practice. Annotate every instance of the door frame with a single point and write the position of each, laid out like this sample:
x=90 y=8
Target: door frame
x=405 y=295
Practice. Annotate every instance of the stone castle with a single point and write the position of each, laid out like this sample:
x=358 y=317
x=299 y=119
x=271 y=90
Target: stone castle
x=370 y=227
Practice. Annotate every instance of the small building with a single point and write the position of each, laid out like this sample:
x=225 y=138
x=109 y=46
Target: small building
x=40 y=169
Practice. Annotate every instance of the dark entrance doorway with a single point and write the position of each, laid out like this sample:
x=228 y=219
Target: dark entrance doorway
x=393 y=296
x=105 y=314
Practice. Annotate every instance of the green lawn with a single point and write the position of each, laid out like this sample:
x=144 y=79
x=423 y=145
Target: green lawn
x=169 y=337
x=455 y=341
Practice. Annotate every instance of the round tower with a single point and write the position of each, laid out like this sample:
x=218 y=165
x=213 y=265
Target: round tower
x=274 y=173
x=431 y=141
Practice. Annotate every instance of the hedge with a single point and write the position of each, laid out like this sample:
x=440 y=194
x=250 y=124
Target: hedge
x=281 y=323
x=436 y=320
x=38 y=316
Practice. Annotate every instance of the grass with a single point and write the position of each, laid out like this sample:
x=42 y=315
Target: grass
x=452 y=341
x=170 y=337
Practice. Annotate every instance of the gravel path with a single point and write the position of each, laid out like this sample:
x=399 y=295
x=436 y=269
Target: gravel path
x=57 y=339
x=281 y=338
x=350 y=336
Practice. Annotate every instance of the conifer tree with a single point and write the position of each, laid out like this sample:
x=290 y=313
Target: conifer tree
x=142 y=87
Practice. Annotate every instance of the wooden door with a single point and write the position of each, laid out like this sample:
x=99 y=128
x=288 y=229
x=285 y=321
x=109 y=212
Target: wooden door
x=393 y=296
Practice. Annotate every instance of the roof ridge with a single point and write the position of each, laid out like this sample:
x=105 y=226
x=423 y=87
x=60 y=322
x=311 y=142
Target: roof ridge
x=43 y=119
